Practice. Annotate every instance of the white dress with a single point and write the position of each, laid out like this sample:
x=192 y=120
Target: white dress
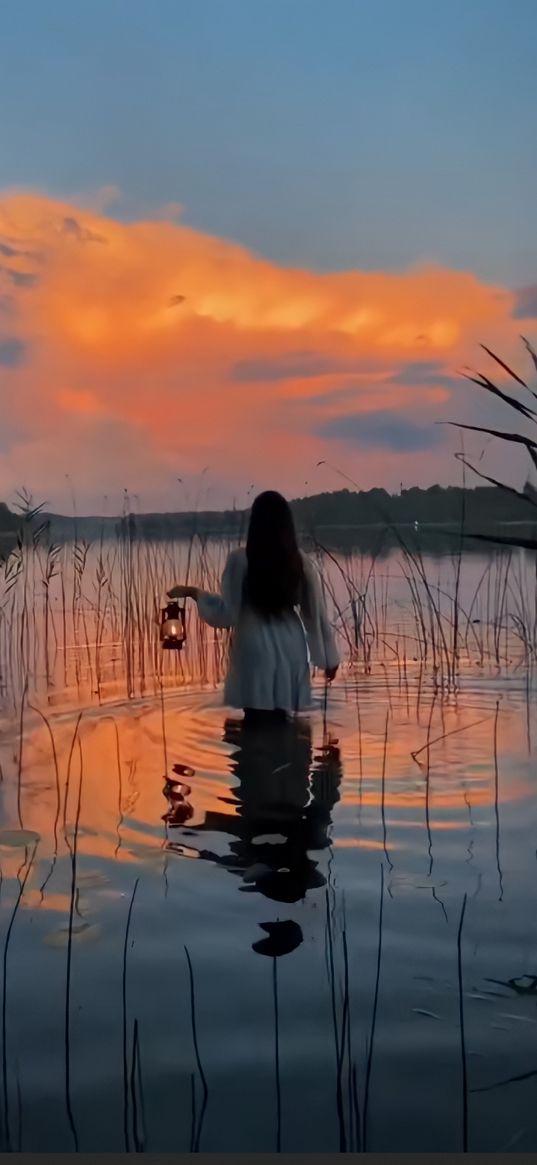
x=270 y=660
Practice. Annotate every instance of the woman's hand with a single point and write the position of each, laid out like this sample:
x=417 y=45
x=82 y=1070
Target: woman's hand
x=183 y=592
x=331 y=673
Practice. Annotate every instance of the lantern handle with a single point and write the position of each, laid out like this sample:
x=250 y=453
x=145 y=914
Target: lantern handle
x=183 y=592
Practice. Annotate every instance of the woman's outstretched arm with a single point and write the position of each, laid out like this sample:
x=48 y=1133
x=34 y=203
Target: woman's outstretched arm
x=217 y=610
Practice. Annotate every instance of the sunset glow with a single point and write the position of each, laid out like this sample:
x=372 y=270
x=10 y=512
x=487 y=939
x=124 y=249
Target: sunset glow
x=135 y=353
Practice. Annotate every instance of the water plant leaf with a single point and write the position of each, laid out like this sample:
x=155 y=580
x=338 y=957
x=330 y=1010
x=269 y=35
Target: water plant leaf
x=532 y=353
x=92 y=879
x=516 y=438
x=503 y=365
x=484 y=382
x=494 y=481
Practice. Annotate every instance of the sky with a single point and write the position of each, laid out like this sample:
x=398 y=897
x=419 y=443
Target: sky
x=241 y=238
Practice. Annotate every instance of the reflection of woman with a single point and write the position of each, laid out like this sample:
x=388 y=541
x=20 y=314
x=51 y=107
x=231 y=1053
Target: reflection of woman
x=271 y=597
x=282 y=809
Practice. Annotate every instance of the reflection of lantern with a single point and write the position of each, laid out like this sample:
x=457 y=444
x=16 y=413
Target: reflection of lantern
x=180 y=810
x=172 y=627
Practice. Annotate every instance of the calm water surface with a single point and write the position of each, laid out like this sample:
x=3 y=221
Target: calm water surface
x=316 y=938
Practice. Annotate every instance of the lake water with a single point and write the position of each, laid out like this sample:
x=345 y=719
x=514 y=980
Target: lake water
x=315 y=938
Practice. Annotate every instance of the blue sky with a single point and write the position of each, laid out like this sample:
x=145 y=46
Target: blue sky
x=328 y=135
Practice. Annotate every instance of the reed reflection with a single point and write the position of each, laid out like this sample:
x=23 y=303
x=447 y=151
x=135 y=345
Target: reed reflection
x=277 y=814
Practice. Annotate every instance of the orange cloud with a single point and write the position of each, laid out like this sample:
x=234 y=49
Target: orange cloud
x=137 y=352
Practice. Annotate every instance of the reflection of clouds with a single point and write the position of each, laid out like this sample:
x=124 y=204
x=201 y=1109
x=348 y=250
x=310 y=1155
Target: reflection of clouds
x=460 y=767
x=363 y=843
x=56 y=903
x=269 y=827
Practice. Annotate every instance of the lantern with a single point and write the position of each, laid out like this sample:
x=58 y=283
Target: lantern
x=172 y=627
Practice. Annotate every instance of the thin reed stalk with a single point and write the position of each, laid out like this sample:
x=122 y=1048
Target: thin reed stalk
x=277 y=1055
x=497 y=802
x=7 y=941
x=72 y=902
x=464 y=1069
x=205 y=1090
x=125 y=1025
x=371 y=1042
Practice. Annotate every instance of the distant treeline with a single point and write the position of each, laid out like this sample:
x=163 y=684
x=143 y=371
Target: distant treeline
x=9 y=523
x=434 y=506
x=484 y=508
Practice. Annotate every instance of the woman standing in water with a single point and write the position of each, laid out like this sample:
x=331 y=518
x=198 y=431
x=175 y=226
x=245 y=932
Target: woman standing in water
x=271 y=597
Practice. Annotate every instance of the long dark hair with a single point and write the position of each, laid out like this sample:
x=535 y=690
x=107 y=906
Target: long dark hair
x=274 y=580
